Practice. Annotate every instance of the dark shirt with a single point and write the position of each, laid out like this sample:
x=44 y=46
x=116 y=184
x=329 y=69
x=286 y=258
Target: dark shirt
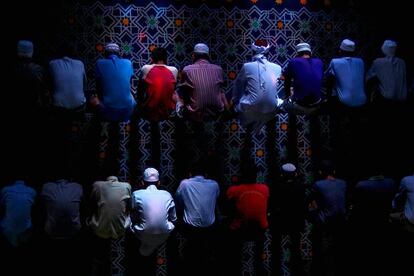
x=305 y=75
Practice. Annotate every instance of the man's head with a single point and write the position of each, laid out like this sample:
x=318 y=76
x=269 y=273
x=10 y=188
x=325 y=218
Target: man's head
x=151 y=177
x=201 y=51
x=326 y=168
x=260 y=46
x=25 y=49
x=159 y=55
x=347 y=46
x=303 y=49
x=112 y=49
x=389 y=47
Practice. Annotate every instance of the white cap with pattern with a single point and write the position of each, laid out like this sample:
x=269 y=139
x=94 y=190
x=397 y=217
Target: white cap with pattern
x=201 y=48
x=151 y=175
x=112 y=47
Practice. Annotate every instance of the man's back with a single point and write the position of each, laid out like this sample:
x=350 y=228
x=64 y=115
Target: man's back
x=114 y=75
x=257 y=85
x=153 y=211
x=160 y=83
x=29 y=85
x=349 y=76
x=330 y=198
x=251 y=204
x=198 y=196
x=68 y=76
x=17 y=201
x=307 y=74
x=391 y=74
x=110 y=219
x=62 y=199
x=205 y=81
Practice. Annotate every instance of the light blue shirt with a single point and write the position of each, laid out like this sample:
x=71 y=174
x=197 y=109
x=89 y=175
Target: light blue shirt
x=349 y=80
x=197 y=196
x=114 y=75
x=391 y=74
x=69 y=80
x=17 y=201
x=407 y=189
x=256 y=86
x=153 y=211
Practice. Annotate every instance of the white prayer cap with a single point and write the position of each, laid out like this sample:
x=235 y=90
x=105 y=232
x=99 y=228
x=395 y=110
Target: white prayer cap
x=302 y=47
x=201 y=48
x=289 y=168
x=347 y=45
x=151 y=175
x=112 y=47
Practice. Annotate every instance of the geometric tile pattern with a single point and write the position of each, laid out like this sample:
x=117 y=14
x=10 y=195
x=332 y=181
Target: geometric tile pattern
x=138 y=28
x=117 y=256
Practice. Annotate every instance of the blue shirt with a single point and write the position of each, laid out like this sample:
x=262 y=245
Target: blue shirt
x=329 y=195
x=256 y=86
x=407 y=189
x=114 y=76
x=17 y=201
x=391 y=74
x=69 y=80
x=349 y=80
x=306 y=76
x=197 y=196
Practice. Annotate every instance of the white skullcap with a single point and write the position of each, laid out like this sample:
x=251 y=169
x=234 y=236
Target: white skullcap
x=288 y=167
x=201 y=48
x=151 y=175
x=389 y=47
x=112 y=47
x=347 y=45
x=302 y=47
x=25 y=48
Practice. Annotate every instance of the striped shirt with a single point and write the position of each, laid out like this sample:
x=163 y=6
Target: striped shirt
x=201 y=89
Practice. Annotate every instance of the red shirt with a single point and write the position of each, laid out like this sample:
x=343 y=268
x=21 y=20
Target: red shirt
x=251 y=204
x=160 y=83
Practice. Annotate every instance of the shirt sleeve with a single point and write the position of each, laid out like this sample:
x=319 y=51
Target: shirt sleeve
x=239 y=86
x=172 y=215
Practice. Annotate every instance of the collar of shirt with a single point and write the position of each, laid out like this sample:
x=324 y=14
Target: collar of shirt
x=199 y=177
x=19 y=182
x=376 y=177
x=259 y=57
x=152 y=187
x=201 y=60
x=61 y=181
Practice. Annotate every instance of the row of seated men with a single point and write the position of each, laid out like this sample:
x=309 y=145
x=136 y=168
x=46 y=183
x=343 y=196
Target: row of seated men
x=350 y=234
x=197 y=90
